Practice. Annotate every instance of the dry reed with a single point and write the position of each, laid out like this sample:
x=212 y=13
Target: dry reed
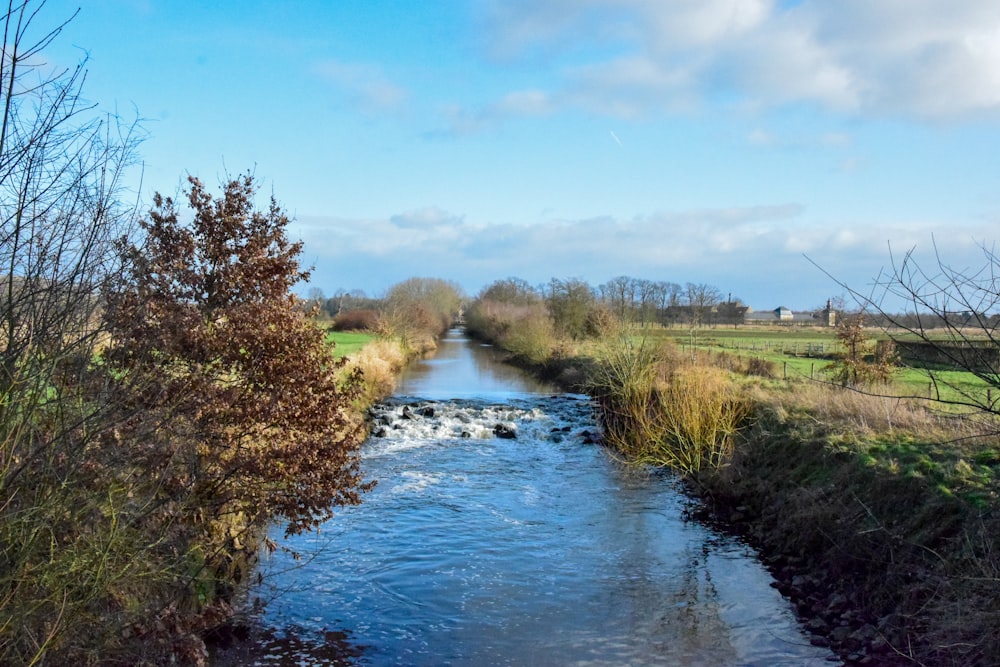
x=870 y=414
x=660 y=411
x=379 y=362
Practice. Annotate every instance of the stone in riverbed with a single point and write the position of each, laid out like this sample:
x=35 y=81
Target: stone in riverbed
x=504 y=431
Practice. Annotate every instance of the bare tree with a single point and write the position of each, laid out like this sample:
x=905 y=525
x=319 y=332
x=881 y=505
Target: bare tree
x=61 y=170
x=649 y=295
x=62 y=205
x=942 y=318
x=419 y=310
x=514 y=291
x=570 y=303
x=701 y=298
x=619 y=296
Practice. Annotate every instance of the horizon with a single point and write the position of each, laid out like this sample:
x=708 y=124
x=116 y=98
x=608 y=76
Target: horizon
x=768 y=148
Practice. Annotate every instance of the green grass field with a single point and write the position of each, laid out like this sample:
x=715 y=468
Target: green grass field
x=348 y=342
x=804 y=353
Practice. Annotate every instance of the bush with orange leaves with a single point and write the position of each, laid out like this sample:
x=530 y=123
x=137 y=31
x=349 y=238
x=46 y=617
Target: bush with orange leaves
x=206 y=329
x=234 y=412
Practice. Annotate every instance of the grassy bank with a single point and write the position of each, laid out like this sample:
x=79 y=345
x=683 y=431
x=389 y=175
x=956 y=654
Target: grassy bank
x=378 y=360
x=801 y=353
x=876 y=514
x=877 y=517
x=349 y=343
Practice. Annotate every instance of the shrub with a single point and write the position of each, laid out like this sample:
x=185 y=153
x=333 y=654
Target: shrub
x=532 y=336
x=413 y=325
x=659 y=411
x=760 y=367
x=240 y=413
x=356 y=320
x=524 y=330
x=419 y=310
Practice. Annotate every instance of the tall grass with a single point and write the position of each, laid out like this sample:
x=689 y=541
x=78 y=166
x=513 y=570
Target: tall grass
x=661 y=411
x=379 y=362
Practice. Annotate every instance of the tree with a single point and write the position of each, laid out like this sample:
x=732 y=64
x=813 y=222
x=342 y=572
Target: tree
x=570 y=302
x=514 y=291
x=61 y=171
x=418 y=310
x=669 y=295
x=205 y=330
x=619 y=295
x=650 y=295
x=62 y=202
x=943 y=318
x=862 y=362
x=701 y=298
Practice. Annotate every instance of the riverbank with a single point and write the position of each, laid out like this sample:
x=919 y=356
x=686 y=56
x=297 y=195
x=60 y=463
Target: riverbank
x=478 y=547
x=877 y=519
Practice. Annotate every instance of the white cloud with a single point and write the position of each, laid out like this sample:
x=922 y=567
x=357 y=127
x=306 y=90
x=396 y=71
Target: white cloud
x=427 y=218
x=757 y=252
x=526 y=103
x=924 y=58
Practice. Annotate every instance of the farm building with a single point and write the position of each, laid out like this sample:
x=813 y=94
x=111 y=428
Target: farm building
x=782 y=315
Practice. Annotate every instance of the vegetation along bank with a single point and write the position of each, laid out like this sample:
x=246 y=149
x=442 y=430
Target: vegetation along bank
x=165 y=398
x=868 y=485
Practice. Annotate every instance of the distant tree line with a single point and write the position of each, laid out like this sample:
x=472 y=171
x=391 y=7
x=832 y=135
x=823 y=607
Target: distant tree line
x=577 y=308
x=574 y=305
x=415 y=311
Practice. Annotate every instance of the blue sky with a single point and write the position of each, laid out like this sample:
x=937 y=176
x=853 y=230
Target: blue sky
x=711 y=141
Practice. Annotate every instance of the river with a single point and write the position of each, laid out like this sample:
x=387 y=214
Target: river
x=536 y=549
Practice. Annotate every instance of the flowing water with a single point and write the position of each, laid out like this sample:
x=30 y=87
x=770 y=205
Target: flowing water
x=479 y=548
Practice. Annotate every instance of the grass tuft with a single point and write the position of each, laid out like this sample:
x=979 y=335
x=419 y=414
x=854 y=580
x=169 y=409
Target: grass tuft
x=662 y=411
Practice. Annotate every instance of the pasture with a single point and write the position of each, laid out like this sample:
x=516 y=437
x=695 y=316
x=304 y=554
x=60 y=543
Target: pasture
x=348 y=343
x=803 y=353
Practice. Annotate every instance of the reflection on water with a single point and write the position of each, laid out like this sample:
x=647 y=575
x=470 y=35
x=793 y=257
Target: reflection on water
x=462 y=368
x=536 y=550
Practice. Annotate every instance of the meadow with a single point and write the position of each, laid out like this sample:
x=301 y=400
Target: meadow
x=348 y=343
x=806 y=353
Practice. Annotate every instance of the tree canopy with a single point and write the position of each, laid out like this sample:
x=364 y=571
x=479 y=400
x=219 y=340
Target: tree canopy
x=207 y=327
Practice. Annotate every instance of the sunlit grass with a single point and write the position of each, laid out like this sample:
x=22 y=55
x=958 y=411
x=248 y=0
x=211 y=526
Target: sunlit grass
x=805 y=353
x=348 y=343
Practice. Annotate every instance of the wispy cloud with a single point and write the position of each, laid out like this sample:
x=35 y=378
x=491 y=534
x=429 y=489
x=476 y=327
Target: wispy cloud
x=365 y=85
x=429 y=218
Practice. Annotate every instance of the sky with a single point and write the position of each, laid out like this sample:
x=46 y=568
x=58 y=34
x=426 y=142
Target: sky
x=775 y=149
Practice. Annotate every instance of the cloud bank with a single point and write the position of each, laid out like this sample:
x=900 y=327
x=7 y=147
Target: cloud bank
x=762 y=254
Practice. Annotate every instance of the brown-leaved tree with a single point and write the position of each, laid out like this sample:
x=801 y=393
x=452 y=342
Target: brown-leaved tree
x=255 y=411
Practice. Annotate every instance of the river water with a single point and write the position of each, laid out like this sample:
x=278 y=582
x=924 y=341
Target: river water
x=537 y=549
